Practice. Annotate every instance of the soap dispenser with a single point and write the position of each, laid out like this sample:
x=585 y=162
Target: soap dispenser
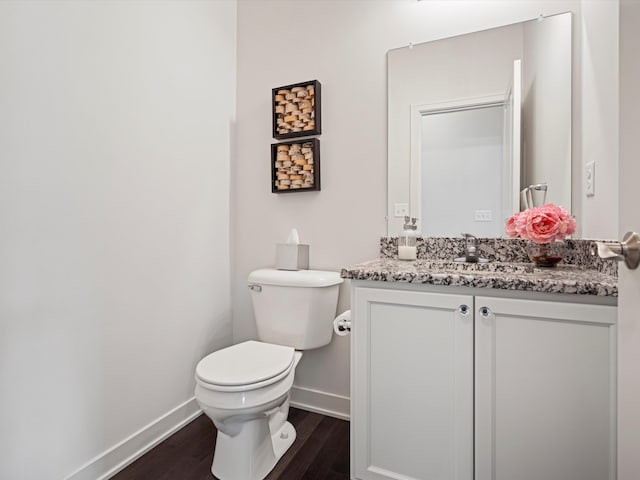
x=407 y=240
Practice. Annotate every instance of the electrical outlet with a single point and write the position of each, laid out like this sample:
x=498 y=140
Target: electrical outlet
x=484 y=215
x=401 y=209
x=590 y=179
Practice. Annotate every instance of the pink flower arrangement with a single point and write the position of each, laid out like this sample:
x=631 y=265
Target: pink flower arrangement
x=544 y=224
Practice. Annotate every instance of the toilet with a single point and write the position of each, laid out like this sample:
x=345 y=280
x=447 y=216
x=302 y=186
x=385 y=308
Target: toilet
x=244 y=389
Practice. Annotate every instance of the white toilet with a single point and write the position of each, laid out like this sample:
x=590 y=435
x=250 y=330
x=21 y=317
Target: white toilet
x=245 y=388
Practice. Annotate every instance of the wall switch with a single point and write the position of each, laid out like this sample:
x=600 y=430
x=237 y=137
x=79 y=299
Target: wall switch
x=484 y=215
x=590 y=179
x=401 y=209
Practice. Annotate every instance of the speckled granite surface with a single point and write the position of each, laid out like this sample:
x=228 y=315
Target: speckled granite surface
x=523 y=277
x=499 y=250
x=509 y=269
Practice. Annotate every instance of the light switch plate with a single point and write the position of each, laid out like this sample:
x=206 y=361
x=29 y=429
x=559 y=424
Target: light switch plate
x=590 y=179
x=401 y=209
x=484 y=215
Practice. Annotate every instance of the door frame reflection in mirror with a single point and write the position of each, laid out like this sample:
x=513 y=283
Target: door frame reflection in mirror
x=510 y=163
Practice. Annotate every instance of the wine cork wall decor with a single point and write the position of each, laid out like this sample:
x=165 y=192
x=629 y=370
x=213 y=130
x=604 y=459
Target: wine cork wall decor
x=296 y=110
x=295 y=166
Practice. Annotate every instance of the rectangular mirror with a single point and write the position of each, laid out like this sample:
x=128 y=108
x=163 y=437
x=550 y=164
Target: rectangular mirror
x=475 y=119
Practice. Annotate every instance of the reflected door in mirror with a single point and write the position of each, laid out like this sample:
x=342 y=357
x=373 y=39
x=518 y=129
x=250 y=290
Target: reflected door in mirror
x=462 y=169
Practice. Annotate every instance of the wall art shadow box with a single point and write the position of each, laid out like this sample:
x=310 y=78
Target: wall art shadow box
x=296 y=110
x=295 y=166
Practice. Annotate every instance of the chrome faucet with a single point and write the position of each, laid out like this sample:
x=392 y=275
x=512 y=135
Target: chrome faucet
x=470 y=248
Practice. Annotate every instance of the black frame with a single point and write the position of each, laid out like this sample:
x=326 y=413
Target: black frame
x=315 y=148
x=317 y=130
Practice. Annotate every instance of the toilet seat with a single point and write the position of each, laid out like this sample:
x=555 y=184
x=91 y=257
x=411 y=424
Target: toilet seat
x=245 y=366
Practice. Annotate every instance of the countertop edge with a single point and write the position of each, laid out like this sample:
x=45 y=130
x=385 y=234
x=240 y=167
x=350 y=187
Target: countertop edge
x=575 y=281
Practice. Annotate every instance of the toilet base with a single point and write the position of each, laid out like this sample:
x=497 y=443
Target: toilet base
x=253 y=453
x=283 y=440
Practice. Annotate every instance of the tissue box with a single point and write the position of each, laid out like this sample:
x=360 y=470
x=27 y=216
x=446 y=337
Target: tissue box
x=292 y=256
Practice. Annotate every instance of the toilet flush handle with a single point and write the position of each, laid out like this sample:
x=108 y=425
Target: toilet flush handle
x=255 y=288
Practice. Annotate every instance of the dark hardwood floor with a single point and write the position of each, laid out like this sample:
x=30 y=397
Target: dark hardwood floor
x=320 y=452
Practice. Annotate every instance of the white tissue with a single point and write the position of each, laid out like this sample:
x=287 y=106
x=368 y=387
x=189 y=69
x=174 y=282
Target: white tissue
x=294 y=238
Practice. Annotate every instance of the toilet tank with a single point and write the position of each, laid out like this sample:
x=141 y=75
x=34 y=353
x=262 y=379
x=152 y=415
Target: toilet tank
x=295 y=308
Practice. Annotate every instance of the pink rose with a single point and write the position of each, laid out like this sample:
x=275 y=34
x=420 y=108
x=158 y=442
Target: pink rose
x=511 y=228
x=544 y=224
x=568 y=222
x=566 y=225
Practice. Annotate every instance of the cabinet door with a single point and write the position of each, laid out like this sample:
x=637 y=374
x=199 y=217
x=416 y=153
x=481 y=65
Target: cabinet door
x=412 y=390
x=545 y=390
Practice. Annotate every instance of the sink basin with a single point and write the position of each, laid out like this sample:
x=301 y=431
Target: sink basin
x=444 y=266
x=464 y=260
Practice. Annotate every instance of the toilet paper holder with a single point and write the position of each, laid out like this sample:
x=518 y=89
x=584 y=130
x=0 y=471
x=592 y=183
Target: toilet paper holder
x=342 y=323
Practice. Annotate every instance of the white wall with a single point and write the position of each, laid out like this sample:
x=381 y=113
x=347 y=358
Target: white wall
x=342 y=44
x=547 y=106
x=115 y=123
x=599 y=97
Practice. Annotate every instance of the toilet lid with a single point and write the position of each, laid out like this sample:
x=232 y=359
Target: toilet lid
x=245 y=363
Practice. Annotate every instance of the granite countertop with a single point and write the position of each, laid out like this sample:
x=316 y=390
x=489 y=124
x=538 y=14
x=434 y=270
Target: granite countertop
x=569 y=279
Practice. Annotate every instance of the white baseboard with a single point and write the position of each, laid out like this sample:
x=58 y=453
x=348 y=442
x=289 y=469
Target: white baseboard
x=317 y=401
x=128 y=450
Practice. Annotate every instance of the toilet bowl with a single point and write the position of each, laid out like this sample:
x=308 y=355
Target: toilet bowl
x=244 y=389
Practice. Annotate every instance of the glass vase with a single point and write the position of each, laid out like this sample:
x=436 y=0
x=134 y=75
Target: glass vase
x=546 y=255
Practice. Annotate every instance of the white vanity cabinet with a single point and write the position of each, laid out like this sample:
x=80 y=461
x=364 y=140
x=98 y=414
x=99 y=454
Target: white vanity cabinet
x=457 y=386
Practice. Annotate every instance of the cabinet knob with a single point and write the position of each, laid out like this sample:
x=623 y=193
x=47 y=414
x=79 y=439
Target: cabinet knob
x=485 y=312
x=463 y=309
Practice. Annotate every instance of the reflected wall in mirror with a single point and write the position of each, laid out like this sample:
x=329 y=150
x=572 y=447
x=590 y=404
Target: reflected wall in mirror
x=473 y=120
